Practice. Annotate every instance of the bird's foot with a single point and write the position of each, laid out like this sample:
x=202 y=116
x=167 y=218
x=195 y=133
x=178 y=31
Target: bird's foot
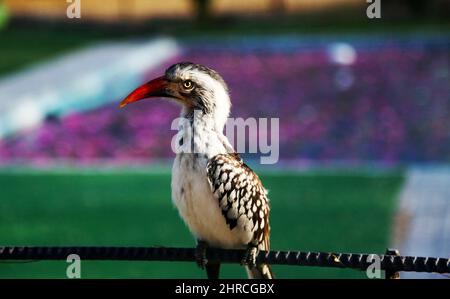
x=200 y=254
x=250 y=256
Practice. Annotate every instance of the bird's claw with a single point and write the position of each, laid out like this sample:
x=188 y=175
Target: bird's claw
x=200 y=254
x=250 y=256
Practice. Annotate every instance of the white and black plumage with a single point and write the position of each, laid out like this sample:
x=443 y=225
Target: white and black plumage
x=222 y=201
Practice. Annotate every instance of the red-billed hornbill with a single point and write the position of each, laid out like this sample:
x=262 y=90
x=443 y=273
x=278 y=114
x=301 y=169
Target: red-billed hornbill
x=222 y=201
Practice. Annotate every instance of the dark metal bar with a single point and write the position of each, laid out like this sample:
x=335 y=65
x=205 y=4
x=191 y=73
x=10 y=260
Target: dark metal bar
x=392 y=274
x=390 y=263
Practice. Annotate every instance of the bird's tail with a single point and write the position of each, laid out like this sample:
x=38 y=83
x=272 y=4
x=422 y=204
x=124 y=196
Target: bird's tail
x=262 y=271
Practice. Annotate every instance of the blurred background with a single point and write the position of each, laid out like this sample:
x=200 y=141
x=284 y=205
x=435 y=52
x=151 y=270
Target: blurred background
x=363 y=105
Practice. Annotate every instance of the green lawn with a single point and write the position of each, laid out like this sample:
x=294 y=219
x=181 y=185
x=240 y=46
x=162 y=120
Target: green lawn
x=326 y=211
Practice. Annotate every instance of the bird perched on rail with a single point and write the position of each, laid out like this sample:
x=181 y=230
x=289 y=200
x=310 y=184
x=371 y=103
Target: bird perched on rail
x=222 y=201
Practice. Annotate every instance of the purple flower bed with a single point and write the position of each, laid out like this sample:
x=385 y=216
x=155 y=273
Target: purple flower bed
x=392 y=105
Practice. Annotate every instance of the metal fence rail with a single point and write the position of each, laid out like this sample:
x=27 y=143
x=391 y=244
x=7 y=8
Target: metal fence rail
x=391 y=262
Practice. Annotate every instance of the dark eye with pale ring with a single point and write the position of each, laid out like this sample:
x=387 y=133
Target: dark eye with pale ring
x=188 y=84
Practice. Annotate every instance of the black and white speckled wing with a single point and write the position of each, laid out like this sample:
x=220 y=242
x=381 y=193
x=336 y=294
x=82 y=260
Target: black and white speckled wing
x=241 y=197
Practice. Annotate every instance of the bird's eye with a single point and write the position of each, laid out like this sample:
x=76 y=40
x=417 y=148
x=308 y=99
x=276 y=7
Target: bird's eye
x=188 y=84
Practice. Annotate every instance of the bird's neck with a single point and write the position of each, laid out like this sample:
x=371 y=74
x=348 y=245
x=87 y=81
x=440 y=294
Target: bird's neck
x=199 y=133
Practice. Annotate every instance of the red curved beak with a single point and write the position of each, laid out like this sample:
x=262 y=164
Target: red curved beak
x=155 y=88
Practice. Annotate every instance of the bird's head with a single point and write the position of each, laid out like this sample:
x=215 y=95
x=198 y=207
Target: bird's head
x=194 y=86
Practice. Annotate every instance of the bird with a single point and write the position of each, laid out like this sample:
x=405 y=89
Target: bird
x=221 y=200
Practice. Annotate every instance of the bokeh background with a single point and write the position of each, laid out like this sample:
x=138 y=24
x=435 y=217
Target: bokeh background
x=364 y=109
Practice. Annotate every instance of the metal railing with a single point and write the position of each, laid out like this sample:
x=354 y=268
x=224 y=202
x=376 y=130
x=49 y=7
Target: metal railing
x=391 y=262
